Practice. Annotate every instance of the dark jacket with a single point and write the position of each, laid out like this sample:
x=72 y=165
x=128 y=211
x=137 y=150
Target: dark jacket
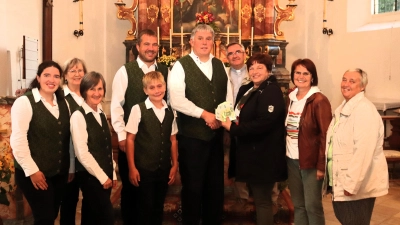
x=260 y=135
x=313 y=125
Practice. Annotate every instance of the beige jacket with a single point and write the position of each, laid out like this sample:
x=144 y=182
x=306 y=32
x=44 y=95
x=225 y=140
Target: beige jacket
x=359 y=165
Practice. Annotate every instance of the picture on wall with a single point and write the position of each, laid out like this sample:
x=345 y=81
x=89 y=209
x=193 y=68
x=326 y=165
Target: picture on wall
x=225 y=12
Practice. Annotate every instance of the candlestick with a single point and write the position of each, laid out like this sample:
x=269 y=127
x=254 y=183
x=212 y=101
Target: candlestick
x=227 y=38
x=181 y=35
x=240 y=36
x=80 y=15
x=170 y=39
x=252 y=34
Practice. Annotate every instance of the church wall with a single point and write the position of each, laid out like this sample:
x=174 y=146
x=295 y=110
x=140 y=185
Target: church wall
x=101 y=46
x=377 y=52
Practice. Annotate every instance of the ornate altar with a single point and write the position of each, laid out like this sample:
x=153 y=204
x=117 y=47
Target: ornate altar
x=254 y=23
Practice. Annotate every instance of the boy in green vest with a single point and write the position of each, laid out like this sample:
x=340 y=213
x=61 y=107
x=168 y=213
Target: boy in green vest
x=151 y=150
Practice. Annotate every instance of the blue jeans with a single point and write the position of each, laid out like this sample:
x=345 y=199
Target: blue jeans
x=305 y=191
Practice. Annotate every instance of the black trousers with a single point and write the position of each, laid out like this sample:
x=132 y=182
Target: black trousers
x=44 y=203
x=128 y=212
x=99 y=208
x=150 y=196
x=69 y=202
x=357 y=212
x=201 y=164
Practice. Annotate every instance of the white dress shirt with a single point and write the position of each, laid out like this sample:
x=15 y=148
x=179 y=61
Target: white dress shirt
x=79 y=100
x=80 y=138
x=119 y=86
x=21 y=112
x=135 y=116
x=176 y=87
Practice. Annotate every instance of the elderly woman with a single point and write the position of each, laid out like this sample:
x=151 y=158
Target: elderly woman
x=74 y=70
x=260 y=135
x=92 y=144
x=308 y=118
x=40 y=141
x=356 y=166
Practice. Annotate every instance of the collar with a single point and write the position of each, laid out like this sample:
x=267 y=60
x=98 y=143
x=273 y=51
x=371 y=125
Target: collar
x=150 y=105
x=347 y=107
x=88 y=109
x=241 y=70
x=141 y=63
x=66 y=89
x=38 y=97
x=197 y=59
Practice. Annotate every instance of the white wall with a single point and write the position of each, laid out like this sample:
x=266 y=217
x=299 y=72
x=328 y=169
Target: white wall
x=18 y=18
x=377 y=51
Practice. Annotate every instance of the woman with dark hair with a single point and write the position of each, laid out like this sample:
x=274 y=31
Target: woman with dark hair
x=74 y=70
x=307 y=121
x=40 y=141
x=260 y=135
x=95 y=167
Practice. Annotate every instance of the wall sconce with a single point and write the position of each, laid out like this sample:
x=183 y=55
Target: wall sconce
x=327 y=31
x=79 y=32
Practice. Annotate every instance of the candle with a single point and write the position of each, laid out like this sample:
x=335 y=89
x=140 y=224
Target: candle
x=227 y=38
x=240 y=36
x=158 y=40
x=324 y=16
x=252 y=34
x=80 y=15
x=181 y=35
x=170 y=39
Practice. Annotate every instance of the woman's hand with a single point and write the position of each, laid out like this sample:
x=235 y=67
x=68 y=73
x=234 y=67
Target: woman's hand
x=172 y=174
x=134 y=177
x=226 y=124
x=320 y=174
x=39 y=181
x=108 y=184
x=114 y=183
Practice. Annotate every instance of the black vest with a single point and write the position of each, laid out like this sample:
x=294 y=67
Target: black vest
x=204 y=93
x=134 y=93
x=73 y=105
x=152 y=142
x=99 y=143
x=48 y=138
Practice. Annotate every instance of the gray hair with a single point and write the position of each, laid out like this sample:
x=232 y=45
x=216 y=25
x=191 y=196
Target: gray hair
x=363 y=74
x=202 y=27
x=236 y=43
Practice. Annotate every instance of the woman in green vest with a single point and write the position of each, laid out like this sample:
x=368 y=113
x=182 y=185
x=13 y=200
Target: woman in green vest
x=92 y=144
x=74 y=70
x=40 y=141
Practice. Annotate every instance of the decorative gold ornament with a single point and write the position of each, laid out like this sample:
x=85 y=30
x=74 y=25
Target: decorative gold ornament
x=124 y=13
x=286 y=14
x=259 y=13
x=166 y=13
x=246 y=13
x=152 y=12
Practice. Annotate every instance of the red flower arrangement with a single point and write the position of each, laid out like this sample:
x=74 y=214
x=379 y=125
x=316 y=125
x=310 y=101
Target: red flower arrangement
x=207 y=18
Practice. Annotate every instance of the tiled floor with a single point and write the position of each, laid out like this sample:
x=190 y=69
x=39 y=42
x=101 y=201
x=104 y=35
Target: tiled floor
x=386 y=211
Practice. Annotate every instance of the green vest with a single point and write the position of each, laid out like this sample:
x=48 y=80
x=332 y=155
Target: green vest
x=203 y=93
x=48 y=138
x=73 y=106
x=99 y=143
x=134 y=93
x=152 y=142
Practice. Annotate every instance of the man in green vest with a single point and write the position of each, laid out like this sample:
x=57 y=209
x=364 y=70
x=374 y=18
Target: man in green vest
x=127 y=91
x=198 y=83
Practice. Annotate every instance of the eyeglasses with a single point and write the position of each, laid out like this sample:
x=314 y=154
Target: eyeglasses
x=234 y=53
x=75 y=71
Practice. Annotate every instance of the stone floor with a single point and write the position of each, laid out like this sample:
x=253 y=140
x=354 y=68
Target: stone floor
x=386 y=211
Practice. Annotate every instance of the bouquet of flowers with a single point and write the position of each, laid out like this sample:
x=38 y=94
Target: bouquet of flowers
x=6 y=173
x=166 y=60
x=207 y=18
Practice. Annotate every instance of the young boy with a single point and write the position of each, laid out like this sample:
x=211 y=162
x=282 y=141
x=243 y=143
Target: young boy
x=151 y=149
